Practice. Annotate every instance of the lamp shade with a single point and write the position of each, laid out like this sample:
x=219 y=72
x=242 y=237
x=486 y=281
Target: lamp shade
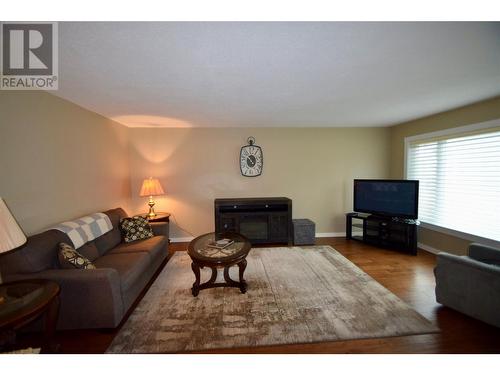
x=11 y=235
x=151 y=186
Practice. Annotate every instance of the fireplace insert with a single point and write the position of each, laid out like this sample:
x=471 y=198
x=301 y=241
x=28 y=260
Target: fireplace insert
x=261 y=220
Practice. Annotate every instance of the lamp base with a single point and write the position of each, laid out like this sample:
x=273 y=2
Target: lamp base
x=152 y=213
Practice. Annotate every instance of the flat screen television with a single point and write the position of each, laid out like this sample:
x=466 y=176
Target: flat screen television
x=394 y=198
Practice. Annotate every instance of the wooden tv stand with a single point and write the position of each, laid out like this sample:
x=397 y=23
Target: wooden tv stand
x=398 y=234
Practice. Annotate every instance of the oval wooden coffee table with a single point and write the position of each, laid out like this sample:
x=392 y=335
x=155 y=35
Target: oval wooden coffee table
x=203 y=255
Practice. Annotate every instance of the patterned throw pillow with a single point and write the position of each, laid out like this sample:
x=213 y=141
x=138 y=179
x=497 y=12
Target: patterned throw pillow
x=135 y=228
x=70 y=258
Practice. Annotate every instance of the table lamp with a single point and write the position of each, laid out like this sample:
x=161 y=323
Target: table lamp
x=11 y=235
x=151 y=187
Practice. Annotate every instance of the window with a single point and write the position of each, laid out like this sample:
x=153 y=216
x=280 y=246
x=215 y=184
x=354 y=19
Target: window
x=459 y=173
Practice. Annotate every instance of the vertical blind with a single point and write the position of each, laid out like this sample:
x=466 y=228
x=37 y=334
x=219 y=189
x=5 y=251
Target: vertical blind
x=459 y=181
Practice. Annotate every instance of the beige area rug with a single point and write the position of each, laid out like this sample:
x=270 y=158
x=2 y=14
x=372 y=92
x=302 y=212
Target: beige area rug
x=295 y=295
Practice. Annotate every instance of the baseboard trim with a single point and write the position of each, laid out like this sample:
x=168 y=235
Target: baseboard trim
x=181 y=239
x=318 y=235
x=330 y=234
x=428 y=248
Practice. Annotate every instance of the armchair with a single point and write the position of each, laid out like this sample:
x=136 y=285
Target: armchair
x=471 y=284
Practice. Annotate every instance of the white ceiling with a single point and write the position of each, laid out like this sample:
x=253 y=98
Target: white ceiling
x=276 y=74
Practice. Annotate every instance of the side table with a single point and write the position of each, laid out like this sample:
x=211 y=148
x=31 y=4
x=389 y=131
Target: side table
x=23 y=302
x=160 y=217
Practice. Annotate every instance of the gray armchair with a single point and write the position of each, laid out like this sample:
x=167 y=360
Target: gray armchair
x=471 y=284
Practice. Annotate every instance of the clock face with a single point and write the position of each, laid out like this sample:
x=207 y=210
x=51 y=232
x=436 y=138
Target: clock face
x=251 y=161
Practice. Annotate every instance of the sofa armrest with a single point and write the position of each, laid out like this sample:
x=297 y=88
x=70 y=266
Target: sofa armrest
x=88 y=299
x=160 y=228
x=484 y=253
x=444 y=258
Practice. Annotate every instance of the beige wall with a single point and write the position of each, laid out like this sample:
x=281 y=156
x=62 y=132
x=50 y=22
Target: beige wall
x=313 y=167
x=58 y=161
x=471 y=114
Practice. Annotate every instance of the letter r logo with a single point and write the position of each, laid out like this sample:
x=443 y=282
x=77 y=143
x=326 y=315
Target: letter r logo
x=27 y=49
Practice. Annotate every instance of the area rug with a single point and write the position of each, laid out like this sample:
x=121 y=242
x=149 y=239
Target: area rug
x=295 y=295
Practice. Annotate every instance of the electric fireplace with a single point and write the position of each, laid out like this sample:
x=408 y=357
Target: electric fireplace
x=261 y=220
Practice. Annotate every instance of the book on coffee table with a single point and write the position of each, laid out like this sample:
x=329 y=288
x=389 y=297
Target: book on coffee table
x=220 y=244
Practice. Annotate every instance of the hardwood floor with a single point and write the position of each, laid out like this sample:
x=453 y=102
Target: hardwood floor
x=409 y=277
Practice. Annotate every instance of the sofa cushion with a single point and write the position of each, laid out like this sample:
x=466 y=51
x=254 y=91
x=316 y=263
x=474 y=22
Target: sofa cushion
x=89 y=251
x=109 y=240
x=129 y=266
x=69 y=258
x=135 y=228
x=152 y=245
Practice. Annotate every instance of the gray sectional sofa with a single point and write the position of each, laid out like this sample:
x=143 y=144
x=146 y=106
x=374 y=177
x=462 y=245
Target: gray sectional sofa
x=471 y=284
x=96 y=298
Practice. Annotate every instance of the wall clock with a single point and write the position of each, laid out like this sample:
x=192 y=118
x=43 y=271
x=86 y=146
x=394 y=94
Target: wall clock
x=251 y=159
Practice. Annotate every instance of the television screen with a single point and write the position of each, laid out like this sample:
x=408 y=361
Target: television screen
x=396 y=198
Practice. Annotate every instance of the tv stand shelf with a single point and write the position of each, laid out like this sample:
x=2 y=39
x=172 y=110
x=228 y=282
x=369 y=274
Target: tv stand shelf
x=393 y=233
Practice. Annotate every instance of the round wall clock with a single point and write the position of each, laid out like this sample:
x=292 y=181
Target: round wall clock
x=251 y=159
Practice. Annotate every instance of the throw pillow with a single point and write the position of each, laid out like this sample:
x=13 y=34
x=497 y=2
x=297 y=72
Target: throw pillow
x=70 y=258
x=135 y=228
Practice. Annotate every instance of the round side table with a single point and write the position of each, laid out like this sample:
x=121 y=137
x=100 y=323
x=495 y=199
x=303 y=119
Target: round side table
x=160 y=216
x=21 y=302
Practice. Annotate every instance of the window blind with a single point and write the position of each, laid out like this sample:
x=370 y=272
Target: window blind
x=459 y=181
